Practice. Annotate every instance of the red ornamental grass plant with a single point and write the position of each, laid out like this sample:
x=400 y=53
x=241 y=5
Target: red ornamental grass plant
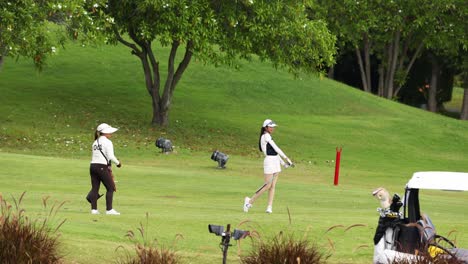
x=285 y=250
x=151 y=255
x=23 y=240
x=437 y=251
x=148 y=252
x=427 y=259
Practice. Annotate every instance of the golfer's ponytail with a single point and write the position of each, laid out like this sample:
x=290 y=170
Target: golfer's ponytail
x=96 y=134
x=262 y=131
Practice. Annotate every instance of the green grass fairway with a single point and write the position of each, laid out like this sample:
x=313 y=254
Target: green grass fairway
x=46 y=129
x=183 y=194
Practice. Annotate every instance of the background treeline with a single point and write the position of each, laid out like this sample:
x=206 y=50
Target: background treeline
x=411 y=51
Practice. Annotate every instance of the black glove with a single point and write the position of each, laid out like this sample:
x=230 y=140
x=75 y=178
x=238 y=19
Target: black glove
x=120 y=164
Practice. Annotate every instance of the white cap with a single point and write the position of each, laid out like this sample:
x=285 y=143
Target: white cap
x=269 y=123
x=106 y=129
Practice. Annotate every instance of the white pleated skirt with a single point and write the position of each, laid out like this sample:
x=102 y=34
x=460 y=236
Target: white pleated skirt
x=271 y=164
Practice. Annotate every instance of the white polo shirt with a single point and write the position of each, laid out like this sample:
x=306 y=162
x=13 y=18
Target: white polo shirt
x=107 y=148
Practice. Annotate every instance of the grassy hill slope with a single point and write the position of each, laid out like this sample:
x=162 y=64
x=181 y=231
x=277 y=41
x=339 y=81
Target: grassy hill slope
x=48 y=119
x=216 y=107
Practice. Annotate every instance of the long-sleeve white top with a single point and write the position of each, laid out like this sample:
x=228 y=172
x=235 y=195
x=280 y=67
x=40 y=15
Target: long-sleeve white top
x=107 y=148
x=266 y=140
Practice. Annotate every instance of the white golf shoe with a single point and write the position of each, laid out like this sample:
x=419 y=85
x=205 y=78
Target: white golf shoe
x=112 y=212
x=94 y=212
x=247 y=204
x=269 y=209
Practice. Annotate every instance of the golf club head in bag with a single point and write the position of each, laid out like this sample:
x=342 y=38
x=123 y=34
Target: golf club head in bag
x=396 y=203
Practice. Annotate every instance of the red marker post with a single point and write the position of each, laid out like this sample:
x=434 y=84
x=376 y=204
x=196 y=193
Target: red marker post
x=337 y=165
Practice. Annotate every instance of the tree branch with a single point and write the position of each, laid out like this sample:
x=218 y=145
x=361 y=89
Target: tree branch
x=135 y=50
x=155 y=66
x=404 y=52
x=410 y=65
x=167 y=94
x=415 y=56
x=148 y=76
x=152 y=76
x=183 y=64
x=134 y=37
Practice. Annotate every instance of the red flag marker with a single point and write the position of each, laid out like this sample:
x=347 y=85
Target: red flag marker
x=337 y=165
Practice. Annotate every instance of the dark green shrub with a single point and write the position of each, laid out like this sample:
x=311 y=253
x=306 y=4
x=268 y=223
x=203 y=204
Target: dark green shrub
x=25 y=241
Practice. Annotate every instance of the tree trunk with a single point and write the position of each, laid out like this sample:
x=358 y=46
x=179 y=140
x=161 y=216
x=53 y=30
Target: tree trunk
x=143 y=50
x=160 y=117
x=387 y=56
x=152 y=82
x=393 y=65
x=464 y=109
x=161 y=109
x=380 y=90
x=432 y=97
x=361 y=69
x=364 y=65
x=367 y=63
x=331 y=73
x=1 y=62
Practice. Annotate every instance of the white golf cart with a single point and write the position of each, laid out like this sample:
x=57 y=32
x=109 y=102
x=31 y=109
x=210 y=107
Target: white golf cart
x=404 y=236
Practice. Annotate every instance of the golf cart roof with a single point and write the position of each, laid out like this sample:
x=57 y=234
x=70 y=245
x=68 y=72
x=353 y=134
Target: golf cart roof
x=439 y=180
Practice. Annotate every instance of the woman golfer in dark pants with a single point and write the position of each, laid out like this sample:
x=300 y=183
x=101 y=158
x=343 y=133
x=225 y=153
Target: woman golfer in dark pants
x=271 y=165
x=103 y=156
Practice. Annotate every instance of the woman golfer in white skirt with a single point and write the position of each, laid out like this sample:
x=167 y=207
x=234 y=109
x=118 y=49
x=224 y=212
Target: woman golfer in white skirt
x=271 y=165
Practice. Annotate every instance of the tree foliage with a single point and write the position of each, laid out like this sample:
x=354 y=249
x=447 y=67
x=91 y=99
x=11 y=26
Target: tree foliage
x=215 y=32
x=25 y=30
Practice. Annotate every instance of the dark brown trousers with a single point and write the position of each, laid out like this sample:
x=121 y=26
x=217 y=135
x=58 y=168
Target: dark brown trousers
x=101 y=173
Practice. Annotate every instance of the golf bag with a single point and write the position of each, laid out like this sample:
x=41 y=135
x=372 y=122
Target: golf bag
x=399 y=237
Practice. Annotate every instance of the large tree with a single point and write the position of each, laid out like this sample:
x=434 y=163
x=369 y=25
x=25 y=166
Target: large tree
x=25 y=30
x=213 y=31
